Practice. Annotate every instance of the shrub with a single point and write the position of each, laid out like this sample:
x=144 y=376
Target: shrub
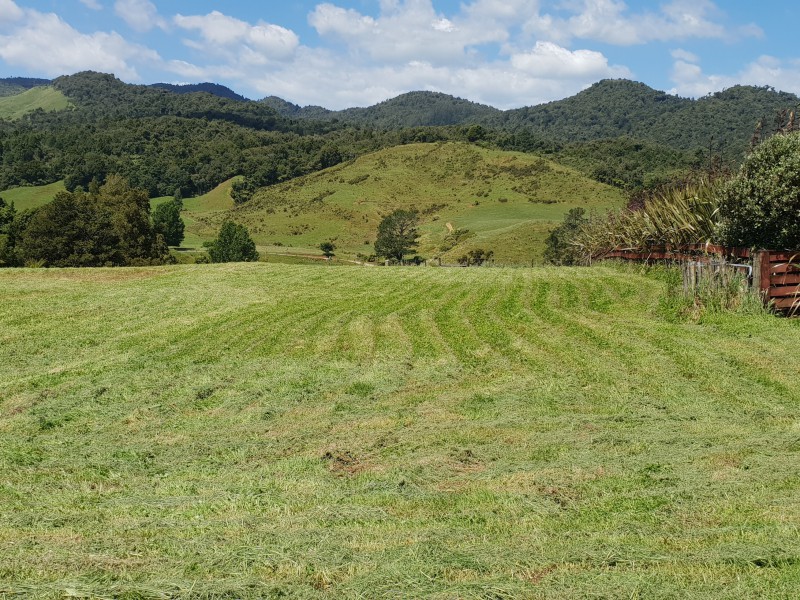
x=233 y=244
x=760 y=205
x=559 y=247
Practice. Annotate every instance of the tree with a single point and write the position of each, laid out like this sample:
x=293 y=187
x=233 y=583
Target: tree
x=397 y=234
x=167 y=221
x=476 y=257
x=759 y=207
x=233 y=244
x=109 y=225
x=327 y=249
x=559 y=249
x=71 y=231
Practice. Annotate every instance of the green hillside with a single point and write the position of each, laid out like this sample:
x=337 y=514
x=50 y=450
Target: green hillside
x=508 y=200
x=45 y=98
x=32 y=196
x=263 y=431
x=202 y=207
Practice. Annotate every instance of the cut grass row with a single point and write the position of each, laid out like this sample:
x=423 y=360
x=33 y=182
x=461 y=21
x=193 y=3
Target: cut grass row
x=257 y=430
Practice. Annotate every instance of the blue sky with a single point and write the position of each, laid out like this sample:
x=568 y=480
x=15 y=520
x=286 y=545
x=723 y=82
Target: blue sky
x=339 y=53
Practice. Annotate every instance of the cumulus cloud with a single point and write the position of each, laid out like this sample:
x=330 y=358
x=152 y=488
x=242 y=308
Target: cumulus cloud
x=611 y=22
x=691 y=80
x=231 y=37
x=405 y=31
x=550 y=60
x=31 y=46
x=140 y=15
x=9 y=11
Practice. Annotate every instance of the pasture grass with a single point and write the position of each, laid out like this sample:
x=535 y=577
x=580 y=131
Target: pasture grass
x=32 y=196
x=262 y=430
x=45 y=98
x=504 y=198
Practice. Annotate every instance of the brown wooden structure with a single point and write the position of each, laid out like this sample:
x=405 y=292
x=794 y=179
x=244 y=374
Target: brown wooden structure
x=775 y=273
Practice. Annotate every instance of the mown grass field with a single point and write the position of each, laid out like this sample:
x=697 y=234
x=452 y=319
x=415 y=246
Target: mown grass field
x=45 y=98
x=261 y=430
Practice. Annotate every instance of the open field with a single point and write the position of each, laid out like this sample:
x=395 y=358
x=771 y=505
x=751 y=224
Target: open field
x=259 y=430
x=45 y=98
x=32 y=196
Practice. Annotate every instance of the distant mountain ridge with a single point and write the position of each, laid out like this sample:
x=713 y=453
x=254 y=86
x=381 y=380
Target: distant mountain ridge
x=412 y=109
x=209 y=88
x=11 y=86
x=724 y=121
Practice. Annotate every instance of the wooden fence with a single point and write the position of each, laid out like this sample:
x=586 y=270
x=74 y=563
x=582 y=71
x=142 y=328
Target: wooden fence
x=774 y=273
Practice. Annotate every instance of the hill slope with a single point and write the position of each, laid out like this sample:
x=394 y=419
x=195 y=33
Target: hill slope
x=254 y=431
x=47 y=99
x=508 y=200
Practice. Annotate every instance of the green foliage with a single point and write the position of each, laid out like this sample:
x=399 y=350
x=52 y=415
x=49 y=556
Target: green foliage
x=397 y=234
x=454 y=238
x=760 y=206
x=7 y=214
x=476 y=257
x=167 y=222
x=559 y=246
x=675 y=216
x=109 y=225
x=327 y=249
x=719 y=293
x=233 y=244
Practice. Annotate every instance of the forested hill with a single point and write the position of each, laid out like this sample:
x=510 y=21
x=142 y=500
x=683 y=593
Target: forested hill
x=414 y=109
x=214 y=89
x=103 y=95
x=189 y=139
x=159 y=140
x=723 y=122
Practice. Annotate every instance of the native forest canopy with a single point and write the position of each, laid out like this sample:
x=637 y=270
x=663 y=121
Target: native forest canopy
x=185 y=141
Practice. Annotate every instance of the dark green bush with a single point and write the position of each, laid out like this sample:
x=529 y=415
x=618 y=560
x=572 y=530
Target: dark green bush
x=760 y=206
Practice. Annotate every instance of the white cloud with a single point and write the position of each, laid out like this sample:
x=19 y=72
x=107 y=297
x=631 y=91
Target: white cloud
x=551 y=61
x=93 y=4
x=612 y=22
x=690 y=79
x=31 y=47
x=406 y=31
x=140 y=15
x=238 y=40
x=9 y=11
x=684 y=55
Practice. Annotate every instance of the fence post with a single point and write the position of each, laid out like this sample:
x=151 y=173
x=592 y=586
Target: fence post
x=761 y=273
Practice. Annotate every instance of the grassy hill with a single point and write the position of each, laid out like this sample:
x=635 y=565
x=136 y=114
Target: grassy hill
x=252 y=431
x=202 y=207
x=32 y=196
x=46 y=98
x=508 y=200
